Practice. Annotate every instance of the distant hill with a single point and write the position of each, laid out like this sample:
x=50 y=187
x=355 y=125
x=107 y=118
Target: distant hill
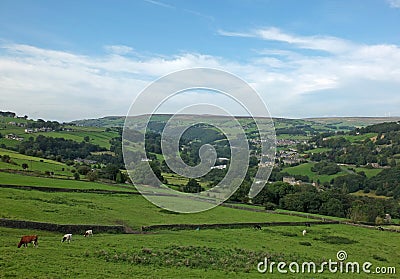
x=108 y=121
x=353 y=121
x=118 y=121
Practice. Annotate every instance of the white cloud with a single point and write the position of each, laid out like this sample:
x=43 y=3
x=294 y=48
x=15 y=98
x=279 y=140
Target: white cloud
x=324 y=43
x=119 y=49
x=394 y=3
x=63 y=85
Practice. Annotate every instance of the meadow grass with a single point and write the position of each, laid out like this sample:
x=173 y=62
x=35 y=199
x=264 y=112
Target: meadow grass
x=27 y=180
x=221 y=253
x=318 y=150
x=16 y=155
x=371 y=194
x=357 y=138
x=97 y=135
x=108 y=209
x=34 y=164
x=305 y=169
x=368 y=172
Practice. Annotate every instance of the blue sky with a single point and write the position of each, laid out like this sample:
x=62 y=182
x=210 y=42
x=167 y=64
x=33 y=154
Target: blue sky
x=68 y=60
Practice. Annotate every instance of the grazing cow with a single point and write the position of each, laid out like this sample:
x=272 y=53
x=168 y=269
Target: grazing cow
x=67 y=237
x=380 y=228
x=304 y=232
x=26 y=239
x=88 y=233
x=257 y=227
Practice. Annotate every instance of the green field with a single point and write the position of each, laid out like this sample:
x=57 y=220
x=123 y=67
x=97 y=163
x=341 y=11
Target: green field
x=97 y=135
x=220 y=253
x=305 y=169
x=205 y=253
x=368 y=172
x=370 y=194
x=358 y=138
x=109 y=209
x=28 y=180
x=318 y=150
x=34 y=164
x=177 y=180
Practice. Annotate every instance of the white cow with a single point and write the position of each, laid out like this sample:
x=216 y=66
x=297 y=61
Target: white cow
x=88 y=233
x=67 y=237
x=304 y=232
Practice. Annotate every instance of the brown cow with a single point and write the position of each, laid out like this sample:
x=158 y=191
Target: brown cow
x=26 y=239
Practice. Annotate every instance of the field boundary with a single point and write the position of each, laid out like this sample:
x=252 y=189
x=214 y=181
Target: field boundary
x=60 y=189
x=232 y=225
x=62 y=228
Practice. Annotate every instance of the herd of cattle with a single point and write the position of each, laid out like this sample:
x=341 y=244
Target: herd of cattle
x=26 y=239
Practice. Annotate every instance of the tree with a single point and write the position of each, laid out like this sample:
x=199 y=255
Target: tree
x=86 y=139
x=121 y=177
x=76 y=176
x=92 y=175
x=24 y=166
x=6 y=158
x=192 y=186
x=83 y=169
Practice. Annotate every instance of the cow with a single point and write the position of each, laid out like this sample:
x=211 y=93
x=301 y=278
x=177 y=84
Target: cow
x=308 y=224
x=26 y=239
x=304 y=232
x=67 y=237
x=88 y=233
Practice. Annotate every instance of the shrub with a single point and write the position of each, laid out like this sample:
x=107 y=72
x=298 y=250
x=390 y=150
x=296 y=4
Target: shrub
x=270 y=206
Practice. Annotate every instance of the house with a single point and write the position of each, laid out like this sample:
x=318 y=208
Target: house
x=291 y=180
x=85 y=161
x=14 y=137
x=220 y=167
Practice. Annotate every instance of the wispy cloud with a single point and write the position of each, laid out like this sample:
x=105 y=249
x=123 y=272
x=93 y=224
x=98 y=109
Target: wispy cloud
x=159 y=3
x=119 y=49
x=394 y=3
x=324 y=43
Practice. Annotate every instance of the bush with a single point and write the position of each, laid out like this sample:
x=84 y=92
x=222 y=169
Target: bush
x=270 y=206
x=305 y=243
x=84 y=169
x=378 y=220
x=92 y=175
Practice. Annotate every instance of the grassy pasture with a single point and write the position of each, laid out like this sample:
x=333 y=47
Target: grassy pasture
x=26 y=180
x=194 y=254
x=318 y=150
x=369 y=172
x=305 y=169
x=357 y=138
x=97 y=135
x=34 y=163
x=371 y=194
x=108 y=209
x=177 y=180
